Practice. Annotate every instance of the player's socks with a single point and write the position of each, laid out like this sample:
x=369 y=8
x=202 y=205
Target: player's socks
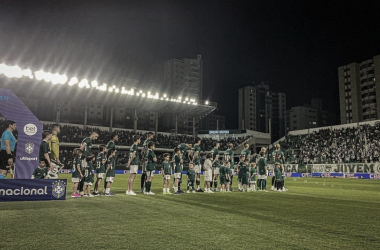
x=198 y=182
x=164 y=190
x=175 y=189
x=211 y=184
x=216 y=184
x=107 y=190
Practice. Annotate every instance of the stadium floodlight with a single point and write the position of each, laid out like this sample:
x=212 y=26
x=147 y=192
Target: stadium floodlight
x=26 y=72
x=13 y=72
x=138 y=94
x=55 y=78
x=110 y=89
x=103 y=87
x=192 y=100
x=165 y=95
x=206 y=102
x=117 y=90
x=47 y=76
x=2 y=68
x=179 y=97
x=186 y=99
x=39 y=75
x=83 y=83
x=143 y=95
x=94 y=84
x=72 y=81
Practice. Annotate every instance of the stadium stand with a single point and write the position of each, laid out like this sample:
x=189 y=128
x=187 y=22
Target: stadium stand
x=344 y=145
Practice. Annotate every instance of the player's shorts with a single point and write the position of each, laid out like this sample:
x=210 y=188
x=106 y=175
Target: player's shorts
x=207 y=175
x=133 y=169
x=223 y=180
x=110 y=179
x=177 y=175
x=215 y=170
x=100 y=175
x=167 y=177
x=150 y=173
x=75 y=180
x=244 y=180
x=262 y=177
x=87 y=183
x=197 y=169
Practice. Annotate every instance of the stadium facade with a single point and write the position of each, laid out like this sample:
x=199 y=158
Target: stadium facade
x=262 y=110
x=359 y=91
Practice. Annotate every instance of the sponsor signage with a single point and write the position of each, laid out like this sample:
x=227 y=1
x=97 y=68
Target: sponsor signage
x=289 y=168
x=32 y=189
x=29 y=133
x=351 y=168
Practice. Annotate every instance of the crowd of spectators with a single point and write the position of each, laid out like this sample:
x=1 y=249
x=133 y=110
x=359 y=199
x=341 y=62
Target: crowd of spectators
x=359 y=144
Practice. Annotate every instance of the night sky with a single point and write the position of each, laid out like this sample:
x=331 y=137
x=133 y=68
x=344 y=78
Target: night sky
x=295 y=46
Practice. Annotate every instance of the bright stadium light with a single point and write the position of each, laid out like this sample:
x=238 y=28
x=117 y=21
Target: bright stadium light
x=117 y=90
x=186 y=99
x=13 y=72
x=165 y=95
x=72 y=81
x=143 y=94
x=2 y=68
x=55 y=78
x=110 y=89
x=94 y=84
x=26 y=72
x=206 y=102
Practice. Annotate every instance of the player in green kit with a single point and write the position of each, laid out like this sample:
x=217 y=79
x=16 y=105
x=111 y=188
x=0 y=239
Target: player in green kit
x=86 y=149
x=278 y=177
x=279 y=158
x=166 y=171
x=178 y=166
x=247 y=155
x=190 y=178
x=89 y=175
x=244 y=170
x=101 y=160
x=133 y=164
x=262 y=170
x=185 y=150
x=252 y=177
x=112 y=145
x=150 y=168
x=143 y=160
x=77 y=174
x=239 y=166
x=215 y=165
x=110 y=171
x=196 y=159
x=228 y=156
x=41 y=171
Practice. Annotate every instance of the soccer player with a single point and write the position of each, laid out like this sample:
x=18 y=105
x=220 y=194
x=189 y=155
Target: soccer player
x=215 y=165
x=279 y=158
x=196 y=159
x=252 y=177
x=143 y=160
x=166 y=173
x=86 y=149
x=101 y=160
x=41 y=171
x=262 y=170
x=244 y=170
x=185 y=149
x=112 y=145
x=247 y=155
x=239 y=166
x=8 y=144
x=190 y=178
x=54 y=149
x=208 y=173
x=228 y=176
x=89 y=175
x=278 y=177
x=229 y=157
x=77 y=174
x=150 y=168
x=45 y=149
x=178 y=165
x=222 y=177
x=133 y=164
x=110 y=171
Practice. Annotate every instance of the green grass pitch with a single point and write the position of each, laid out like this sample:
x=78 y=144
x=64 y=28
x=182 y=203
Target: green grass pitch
x=313 y=214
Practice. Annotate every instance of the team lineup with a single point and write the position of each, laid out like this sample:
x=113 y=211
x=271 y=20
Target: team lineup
x=217 y=167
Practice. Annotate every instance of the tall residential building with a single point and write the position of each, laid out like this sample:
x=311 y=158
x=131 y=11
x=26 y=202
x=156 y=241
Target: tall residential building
x=260 y=110
x=359 y=91
x=184 y=77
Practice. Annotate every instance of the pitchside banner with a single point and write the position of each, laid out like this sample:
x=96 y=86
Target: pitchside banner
x=29 y=133
x=32 y=190
x=352 y=168
x=289 y=168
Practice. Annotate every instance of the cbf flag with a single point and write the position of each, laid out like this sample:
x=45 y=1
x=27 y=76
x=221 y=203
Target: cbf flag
x=29 y=133
x=32 y=189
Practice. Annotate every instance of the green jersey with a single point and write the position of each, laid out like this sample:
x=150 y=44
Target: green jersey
x=183 y=149
x=89 y=172
x=44 y=149
x=229 y=156
x=111 y=145
x=244 y=170
x=178 y=164
x=195 y=149
x=100 y=167
x=111 y=170
x=191 y=174
x=279 y=156
x=134 y=149
x=87 y=148
x=261 y=164
x=40 y=173
x=151 y=165
x=167 y=168
x=223 y=170
x=246 y=153
x=252 y=174
x=76 y=162
x=278 y=174
x=215 y=155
